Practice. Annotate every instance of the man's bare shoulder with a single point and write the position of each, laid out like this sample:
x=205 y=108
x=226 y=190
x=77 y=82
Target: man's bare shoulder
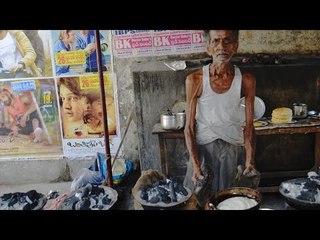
x=248 y=78
x=195 y=77
x=248 y=83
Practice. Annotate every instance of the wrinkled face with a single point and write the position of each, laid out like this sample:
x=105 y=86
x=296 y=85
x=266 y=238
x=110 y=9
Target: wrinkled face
x=5 y=98
x=74 y=107
x=221 y=45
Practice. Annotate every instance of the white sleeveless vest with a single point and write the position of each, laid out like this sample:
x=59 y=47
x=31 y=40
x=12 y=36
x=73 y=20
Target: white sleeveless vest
x=219 y=115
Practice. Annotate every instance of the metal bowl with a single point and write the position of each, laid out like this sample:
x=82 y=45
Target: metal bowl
x=237 y=192
x=293 y=201
x=161 y=205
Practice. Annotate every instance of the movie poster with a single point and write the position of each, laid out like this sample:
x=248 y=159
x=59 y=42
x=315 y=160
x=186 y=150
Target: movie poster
x=29 y=122
x=25 y=54
x=75 y=52
x=81 y=112
x=50 y=101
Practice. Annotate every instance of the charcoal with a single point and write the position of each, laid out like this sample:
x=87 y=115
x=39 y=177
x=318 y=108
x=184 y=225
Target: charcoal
x=6 y=196
x=306 y=196
x=95 y=198
x=106 y=200
x=13 y=200
x=311 y=186
x=69 y=203
x=95 y=190
x=165 y=199
x=22 y=198
x=172 y=192
x=179 y=188
x=97 y=207
x=162 y=191
x=83 y=205
x=162 y=182
x=155 y=199
x=144 y=195
x=33 y=195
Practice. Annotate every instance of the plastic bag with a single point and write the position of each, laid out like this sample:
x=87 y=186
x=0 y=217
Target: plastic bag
x=121 y=168
x=86 y=176
x=95 y=174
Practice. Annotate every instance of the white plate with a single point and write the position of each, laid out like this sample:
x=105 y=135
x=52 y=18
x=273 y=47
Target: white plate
x=292 y=121
x=259 y=107
x=263 y=123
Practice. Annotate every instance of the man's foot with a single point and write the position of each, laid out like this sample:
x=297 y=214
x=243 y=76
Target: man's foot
x=38 y=135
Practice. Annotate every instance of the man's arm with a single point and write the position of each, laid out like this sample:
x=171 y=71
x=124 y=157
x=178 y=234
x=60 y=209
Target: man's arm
x=30 y=107
x=193 y=91
x=249 y=91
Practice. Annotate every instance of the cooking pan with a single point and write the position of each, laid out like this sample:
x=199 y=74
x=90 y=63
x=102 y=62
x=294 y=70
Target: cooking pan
x=290 y=188
x=238 y=192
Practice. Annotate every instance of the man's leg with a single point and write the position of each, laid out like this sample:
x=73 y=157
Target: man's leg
x=228 y=164
x=37 y=130
x=206 y=188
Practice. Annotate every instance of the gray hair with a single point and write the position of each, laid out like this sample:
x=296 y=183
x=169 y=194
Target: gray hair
x=235 y=34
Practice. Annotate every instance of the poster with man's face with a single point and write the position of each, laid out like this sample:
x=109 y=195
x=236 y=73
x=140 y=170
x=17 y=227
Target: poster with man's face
x=28 y=118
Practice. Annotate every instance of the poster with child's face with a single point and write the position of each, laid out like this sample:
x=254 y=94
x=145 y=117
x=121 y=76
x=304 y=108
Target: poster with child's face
x=81 y=112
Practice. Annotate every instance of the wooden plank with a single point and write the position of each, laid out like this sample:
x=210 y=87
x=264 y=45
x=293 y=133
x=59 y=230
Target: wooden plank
x=268 y=189
x=284 y=174
x=157 y=129
x=289 y=130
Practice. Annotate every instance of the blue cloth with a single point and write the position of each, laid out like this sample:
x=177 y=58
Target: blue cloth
x=91 y=59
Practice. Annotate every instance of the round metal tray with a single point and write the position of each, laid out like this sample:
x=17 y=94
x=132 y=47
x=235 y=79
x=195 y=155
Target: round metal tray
x=162 y=204
x=294 y=202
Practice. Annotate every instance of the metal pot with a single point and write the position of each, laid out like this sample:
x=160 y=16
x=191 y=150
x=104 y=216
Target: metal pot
x=180 y=120
x=300 y=110
x=173 y=121
x=168 y=121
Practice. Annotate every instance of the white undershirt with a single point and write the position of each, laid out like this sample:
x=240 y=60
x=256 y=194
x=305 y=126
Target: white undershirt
x=218 y=115
x=9 y=54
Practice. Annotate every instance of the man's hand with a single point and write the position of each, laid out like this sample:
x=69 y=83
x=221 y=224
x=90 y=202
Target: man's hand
x=91 y=47
x=249 y=168
x=197 y=175
x=16 y=68
x=14 y=133
x=23 y=120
